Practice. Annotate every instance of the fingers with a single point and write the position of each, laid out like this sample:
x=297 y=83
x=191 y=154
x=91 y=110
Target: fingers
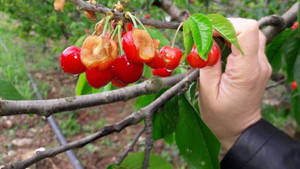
x=247 y=31
x=242 y=66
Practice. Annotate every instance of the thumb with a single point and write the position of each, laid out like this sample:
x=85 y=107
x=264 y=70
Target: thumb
x=209 y=79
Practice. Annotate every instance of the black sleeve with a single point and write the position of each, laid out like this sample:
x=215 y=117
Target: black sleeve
x=263 y=146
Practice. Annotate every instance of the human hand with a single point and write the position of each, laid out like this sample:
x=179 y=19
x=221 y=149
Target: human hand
x=230 y=102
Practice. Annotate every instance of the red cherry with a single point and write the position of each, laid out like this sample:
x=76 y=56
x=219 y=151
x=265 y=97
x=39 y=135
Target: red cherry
x=163 y=72
x=97 y=79
x=70 y=60
x=138 y=46
x=171 y=56
x=213 y=55
x=194 y=59
x=126 y=71
x=116 y=82
x=294 y=85
x=147 y=16
x=158 y=60
x=129 y=28
x=212 y=58
x=295 y=26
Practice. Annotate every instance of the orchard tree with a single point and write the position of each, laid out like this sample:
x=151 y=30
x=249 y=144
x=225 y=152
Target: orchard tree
x=128 y=56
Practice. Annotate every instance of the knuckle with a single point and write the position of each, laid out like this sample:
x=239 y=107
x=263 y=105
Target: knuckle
x=253 y=25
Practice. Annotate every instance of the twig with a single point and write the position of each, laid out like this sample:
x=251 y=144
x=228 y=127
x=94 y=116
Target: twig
x=130 y=148
x=289 y=18
x=172 y=10
x=132 y=119
x=148 y=140
x=282 y=81
x=49 y=107
x=120 y=15
x=273 y=20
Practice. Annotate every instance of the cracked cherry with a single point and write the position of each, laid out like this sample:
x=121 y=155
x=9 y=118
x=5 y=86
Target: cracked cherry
x=70 y=60
x=138 y=46
x=158 y=60
x=162 y=72
x=171 y=56
x=97 y=79
x=126 y=71
x=294 y=85
x=98 y=52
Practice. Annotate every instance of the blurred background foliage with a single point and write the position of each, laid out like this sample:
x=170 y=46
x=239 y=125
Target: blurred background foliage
x=38 y=20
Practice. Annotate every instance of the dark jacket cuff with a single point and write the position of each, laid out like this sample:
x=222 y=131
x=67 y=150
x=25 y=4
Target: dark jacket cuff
x=263 y=146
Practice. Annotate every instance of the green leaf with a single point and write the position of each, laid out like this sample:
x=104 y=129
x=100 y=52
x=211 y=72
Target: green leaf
x=135 y=161
x=165 y=121
x=274 y=50
x=197 y=144
x=155 y=34
x=202 y=32
x=82 y=86
x=187 y=39
x=9 y=92
x=297 y=70
x=291 y=53
x=147 y=72
x=298 y=18
x=143 y=101
x=225 y=28
x=295 y=106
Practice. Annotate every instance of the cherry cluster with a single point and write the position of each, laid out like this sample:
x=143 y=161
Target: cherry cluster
x=103 y=62
x=99 y=58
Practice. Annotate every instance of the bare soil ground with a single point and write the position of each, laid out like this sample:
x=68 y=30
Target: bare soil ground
x=22 y=135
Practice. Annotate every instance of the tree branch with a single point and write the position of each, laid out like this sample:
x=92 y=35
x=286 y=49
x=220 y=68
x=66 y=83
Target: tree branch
x=289 y=18
x=120 y=15
x=132 y=119
x=282 y=81
x=130 y=148
x=49 y=107
x=148 y=140
x=273 y=20
x=175 y=13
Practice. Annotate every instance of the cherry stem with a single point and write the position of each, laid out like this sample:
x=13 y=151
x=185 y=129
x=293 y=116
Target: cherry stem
x=119 y=29
x=107 y=19
x=173 y=42
x=139 y=22
x=132 y=19
x=113 y=34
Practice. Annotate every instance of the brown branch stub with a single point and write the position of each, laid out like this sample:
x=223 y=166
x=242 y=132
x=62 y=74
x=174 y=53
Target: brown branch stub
x=289 y=18
x=273 y=20
x=172 y=10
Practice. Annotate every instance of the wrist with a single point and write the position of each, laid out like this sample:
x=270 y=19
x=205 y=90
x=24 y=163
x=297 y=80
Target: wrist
x=229 y=141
